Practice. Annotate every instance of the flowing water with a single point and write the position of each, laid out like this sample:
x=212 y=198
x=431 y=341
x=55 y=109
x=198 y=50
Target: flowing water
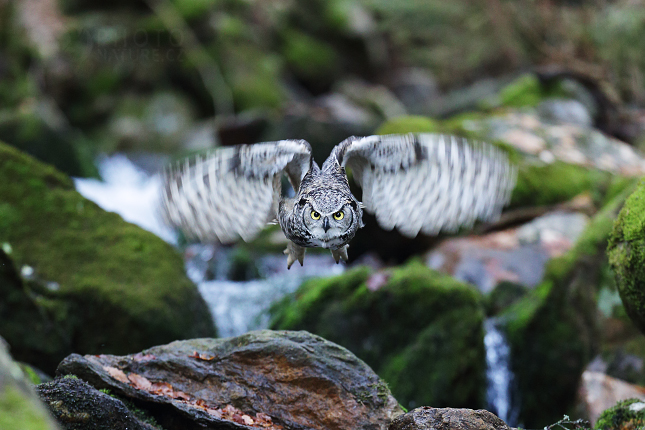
x=498 y=373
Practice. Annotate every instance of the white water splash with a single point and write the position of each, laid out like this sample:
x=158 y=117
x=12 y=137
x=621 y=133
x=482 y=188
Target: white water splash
x=498 y=373
x=128 y=191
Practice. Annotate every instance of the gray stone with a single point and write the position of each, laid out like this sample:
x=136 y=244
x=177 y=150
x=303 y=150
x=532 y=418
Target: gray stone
x=565 y=112
x=427 y=418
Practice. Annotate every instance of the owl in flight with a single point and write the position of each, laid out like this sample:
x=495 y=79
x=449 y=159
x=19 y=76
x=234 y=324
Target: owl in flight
x=416 y=182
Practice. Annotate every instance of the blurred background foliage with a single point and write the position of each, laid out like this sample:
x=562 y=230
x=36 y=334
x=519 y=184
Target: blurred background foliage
x=172 y=75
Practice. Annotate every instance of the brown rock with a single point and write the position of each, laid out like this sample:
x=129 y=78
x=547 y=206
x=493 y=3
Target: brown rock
x=291 y=379
x=599 y=392
x=427 y=418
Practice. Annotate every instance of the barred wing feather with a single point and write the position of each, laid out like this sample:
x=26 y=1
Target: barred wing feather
x=233 y=192
x=428 y=183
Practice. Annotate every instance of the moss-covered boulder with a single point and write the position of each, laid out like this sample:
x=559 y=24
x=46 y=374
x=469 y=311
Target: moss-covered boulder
x=627 y=255
x=554 y=331
x=627 y=414
x=409 y=324
x=20 y=408
x=80 y=279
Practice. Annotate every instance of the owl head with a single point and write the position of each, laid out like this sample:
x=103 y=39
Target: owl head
x=329 y=221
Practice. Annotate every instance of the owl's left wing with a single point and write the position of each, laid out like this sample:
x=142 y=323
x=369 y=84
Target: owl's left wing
x=233 y=192
x=426 y=182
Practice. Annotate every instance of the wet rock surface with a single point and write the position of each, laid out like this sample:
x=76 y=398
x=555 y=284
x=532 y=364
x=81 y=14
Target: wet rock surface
x=290 y=379
x=79 y=406
x=428 y=418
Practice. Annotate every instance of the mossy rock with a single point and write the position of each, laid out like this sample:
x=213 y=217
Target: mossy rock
x=504 y=295
x=627 y=414
x=20 y=407
x=542 y=184
x=409 y=124
x=553 y=331
x=93 y=282
x=527 y=90
x=627 y=255
x=417 y=325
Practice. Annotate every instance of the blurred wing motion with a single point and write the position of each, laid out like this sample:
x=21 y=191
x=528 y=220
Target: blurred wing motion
x=233 y=192
x=428 y=182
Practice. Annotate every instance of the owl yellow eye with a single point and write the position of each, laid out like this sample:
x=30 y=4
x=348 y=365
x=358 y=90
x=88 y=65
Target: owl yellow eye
x=339 y=215
x=315 y=215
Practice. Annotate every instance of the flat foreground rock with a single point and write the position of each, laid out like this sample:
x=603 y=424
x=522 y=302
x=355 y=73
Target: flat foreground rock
x=293 y=380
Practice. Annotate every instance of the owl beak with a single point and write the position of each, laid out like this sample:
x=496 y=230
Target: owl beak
x=326 y=224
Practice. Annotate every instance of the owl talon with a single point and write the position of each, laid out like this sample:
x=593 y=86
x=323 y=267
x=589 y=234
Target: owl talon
x=340 y=254
x=293 y=253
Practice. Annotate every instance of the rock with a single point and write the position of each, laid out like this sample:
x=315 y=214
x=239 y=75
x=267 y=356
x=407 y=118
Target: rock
x=376 y=98
x=628 y=414
x=599 y=392
x=539 y=183
x=627 y=256
x=428 y=418
x=20 y=407
x=570 y=143
x=554 y=330
x=293 y=379
x=79 y=406
x=416 y=88
x=515 y=255
x=565 y=111
x=407 y=323
x=82 y=279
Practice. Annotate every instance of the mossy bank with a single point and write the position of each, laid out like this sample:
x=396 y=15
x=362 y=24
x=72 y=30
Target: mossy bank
x=79 y=279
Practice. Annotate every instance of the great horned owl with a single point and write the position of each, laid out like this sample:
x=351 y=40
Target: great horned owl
x=416 y=183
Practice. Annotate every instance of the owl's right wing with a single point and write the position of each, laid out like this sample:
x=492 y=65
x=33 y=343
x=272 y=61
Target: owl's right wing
x=233 y=192
x=427 y=182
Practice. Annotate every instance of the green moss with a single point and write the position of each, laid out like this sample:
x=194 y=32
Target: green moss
x=417 y=321
x=503 y=295
x=19 y=412
x=524 y=91
x=626 y=252
x=553 y=331
x=527 y=91
x=254 y=78
x=541 y=184
x=309 y=58
x=118 y=288
x=622 y=416
x=191 y=9
x=30 y=373
x=408 y=124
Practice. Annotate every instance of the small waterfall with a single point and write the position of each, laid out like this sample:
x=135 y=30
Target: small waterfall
x=498 y=374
